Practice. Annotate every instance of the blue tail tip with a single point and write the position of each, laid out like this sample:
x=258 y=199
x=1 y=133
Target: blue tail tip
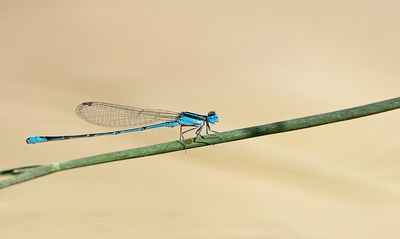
x=36 y=139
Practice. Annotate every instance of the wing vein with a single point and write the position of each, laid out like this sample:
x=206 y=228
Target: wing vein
x=113 y=115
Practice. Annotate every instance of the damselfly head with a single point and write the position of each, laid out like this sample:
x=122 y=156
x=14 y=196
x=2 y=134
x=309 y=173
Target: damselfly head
x=212 y=117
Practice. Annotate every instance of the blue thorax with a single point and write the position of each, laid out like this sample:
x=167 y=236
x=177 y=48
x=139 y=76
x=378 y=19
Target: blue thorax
x=192 y=119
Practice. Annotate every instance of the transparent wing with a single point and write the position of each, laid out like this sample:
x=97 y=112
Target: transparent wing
x=111 y=115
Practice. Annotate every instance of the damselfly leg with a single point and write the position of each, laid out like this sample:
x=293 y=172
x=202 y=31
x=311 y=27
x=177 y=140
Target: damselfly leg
x=208 y=129
x=184 y=132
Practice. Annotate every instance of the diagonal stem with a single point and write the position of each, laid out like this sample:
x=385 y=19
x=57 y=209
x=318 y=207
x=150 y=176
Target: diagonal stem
x=22 y=174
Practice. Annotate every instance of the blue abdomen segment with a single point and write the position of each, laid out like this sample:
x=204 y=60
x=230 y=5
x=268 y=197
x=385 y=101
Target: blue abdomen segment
x=36 y=139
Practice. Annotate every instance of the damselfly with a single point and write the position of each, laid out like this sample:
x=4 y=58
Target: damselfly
x=111 y=115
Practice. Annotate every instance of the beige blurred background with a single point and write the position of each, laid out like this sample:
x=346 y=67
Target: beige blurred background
x=253 y=62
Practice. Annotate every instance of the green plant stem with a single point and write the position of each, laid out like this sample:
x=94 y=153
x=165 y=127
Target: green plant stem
x=23 y=174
